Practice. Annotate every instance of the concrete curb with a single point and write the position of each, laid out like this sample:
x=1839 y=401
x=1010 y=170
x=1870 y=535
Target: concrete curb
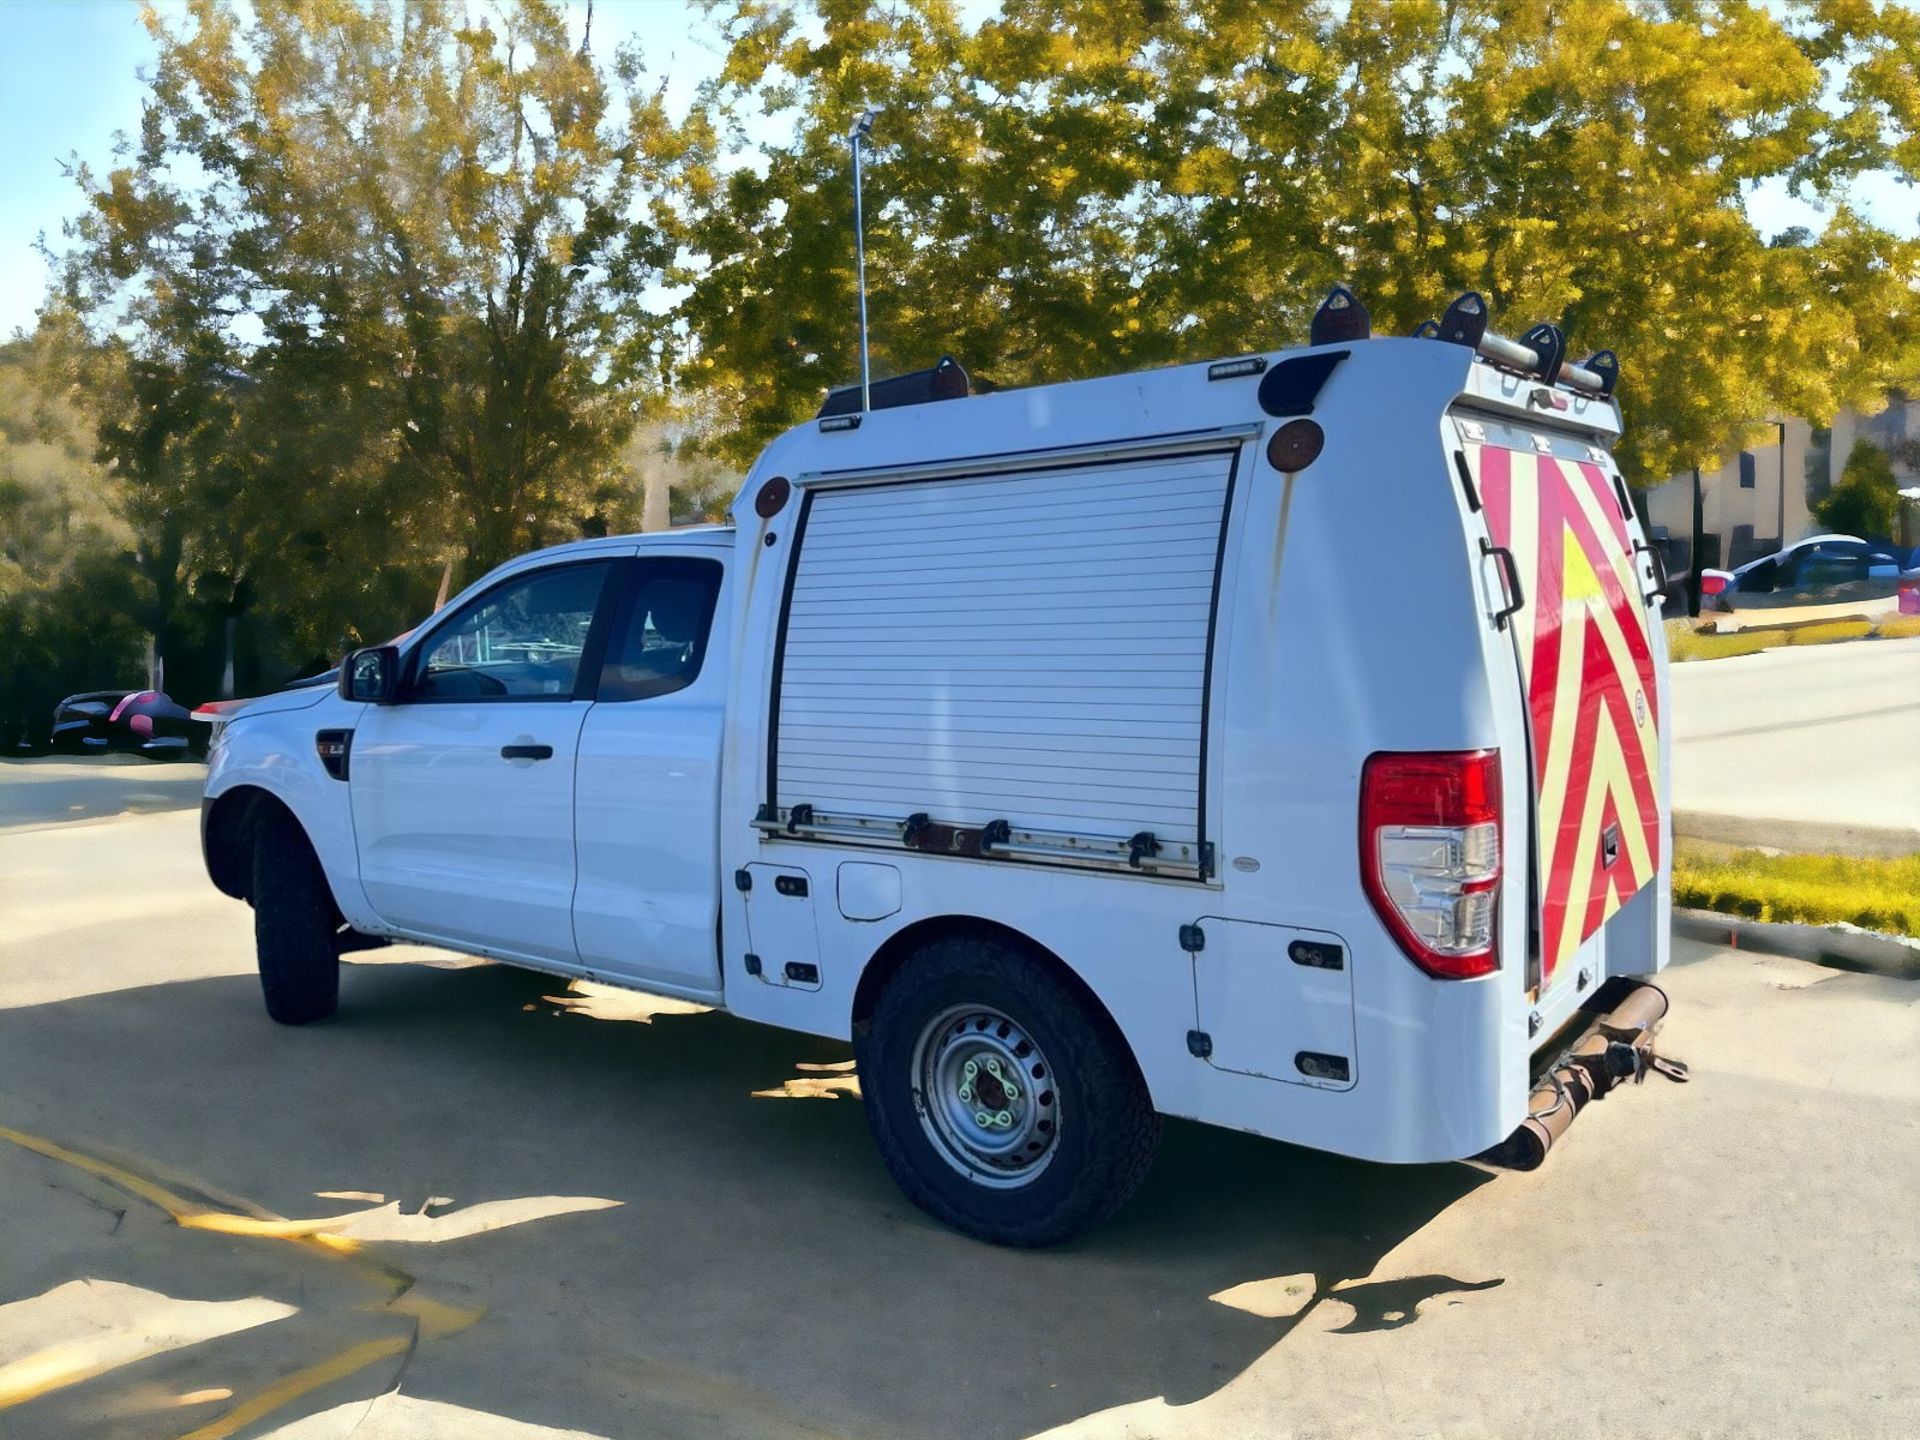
x=1841 y=947
x=1800 y=837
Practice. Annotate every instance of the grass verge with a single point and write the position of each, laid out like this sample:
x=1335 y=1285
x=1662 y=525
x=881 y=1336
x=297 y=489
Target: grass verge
x=1877 y=894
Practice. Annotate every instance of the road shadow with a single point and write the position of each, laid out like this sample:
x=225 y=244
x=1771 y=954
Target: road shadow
x=744 y=1266
x=49 y=790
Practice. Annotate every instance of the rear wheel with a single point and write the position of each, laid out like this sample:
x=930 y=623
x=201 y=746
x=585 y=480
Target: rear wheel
x=1002 y=1102
x=294 y=925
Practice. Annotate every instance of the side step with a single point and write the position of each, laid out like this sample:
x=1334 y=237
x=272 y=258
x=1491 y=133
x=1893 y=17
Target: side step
x=1616 y=1047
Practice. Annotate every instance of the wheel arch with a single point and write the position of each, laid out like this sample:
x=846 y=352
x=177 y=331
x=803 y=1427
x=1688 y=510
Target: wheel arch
x=229 y=825
x=900 y=947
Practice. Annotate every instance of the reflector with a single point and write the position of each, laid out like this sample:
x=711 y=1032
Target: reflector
x=772 y=497
x=1295 y=445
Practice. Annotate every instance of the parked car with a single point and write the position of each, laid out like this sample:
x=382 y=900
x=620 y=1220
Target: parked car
x=1818 y=562
x=144 y=722
x=1042 y=745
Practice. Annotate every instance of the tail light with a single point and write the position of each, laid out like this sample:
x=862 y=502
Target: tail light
x=1713 y=584
x=219 y=709
x=1430 y=856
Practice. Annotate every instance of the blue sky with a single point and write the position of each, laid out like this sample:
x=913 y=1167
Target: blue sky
x=69 y=79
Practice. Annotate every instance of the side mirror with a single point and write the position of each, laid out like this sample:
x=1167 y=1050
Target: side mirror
x=371 y=675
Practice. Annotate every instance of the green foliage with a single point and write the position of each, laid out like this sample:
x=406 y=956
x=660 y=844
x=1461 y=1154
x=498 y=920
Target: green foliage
x=66 y=604
x=1804 y=889
x=382 y=293
x=370 y=288
x=1079 y=186
x=1866 y=499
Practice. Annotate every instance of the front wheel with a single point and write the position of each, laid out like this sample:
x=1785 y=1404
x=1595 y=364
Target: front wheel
x=1003 y=1103
x=294 y=925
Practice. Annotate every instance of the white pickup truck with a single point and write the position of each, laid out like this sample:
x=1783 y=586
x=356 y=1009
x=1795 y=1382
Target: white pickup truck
x=1276 y=743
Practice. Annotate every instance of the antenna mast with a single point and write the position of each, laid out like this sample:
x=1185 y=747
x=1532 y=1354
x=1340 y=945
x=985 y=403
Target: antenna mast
x=862 y=127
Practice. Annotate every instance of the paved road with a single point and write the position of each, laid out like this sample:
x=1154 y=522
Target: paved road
x=575 y=1215
x=1827 y=734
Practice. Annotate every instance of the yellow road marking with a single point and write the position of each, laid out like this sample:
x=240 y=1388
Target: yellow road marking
x=138 y=1185
x=432 y=1318
x=302 y=1382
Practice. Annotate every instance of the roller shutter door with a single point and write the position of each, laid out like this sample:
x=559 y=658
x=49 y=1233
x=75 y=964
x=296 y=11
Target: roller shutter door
x=1027 y=647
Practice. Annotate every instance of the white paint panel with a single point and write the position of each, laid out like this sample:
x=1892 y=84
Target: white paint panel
x=1023 y=647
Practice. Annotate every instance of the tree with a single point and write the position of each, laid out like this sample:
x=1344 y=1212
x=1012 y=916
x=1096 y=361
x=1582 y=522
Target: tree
x=377 y=273
x=1078 y=186
x=1866 y=501
x=65 y=600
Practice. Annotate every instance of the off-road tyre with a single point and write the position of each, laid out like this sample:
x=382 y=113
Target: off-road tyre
x=294 y=925
x=1108 y=1130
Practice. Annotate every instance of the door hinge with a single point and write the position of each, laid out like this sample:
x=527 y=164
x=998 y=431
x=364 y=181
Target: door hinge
x=743 y=880
x=1199 y=1044
x=1192 y=939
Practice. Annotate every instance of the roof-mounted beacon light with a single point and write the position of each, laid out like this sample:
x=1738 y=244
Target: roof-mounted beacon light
x=946 y=381
x=1549 y=344
x=1465 y=321
x=1606 y=365
x=1341 y=317
x=1427 y=330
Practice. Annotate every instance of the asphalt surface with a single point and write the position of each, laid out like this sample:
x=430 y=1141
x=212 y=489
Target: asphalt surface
x=1811 y=748
x=571 y=1213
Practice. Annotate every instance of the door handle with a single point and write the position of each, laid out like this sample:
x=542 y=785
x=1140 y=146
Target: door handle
x=526 y=752
x=1516 y=597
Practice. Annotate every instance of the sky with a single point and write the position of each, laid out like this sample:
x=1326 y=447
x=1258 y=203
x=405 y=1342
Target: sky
x=69 y=79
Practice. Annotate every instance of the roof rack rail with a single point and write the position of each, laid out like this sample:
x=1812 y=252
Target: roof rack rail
x=1541 y=351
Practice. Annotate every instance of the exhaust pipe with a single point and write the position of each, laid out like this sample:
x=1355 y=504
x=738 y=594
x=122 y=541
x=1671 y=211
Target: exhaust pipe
x=1616 y=1047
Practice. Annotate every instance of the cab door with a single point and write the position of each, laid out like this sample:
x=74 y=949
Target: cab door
x=462 y=790
x=646 y=906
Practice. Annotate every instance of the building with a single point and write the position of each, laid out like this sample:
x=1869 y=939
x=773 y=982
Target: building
x=1747 y=510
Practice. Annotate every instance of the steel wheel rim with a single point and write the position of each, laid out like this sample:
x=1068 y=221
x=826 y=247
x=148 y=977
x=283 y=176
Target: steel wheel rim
x=985 y=1096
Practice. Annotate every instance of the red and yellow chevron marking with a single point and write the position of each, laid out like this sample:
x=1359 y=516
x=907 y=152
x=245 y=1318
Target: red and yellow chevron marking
x=1586 y=660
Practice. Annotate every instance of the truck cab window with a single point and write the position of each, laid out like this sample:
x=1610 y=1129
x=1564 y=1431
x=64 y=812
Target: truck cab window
x=661 y=639
x=520 y=641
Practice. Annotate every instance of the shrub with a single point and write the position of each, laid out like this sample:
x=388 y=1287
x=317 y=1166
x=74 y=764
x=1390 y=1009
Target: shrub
x=1866 y=501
